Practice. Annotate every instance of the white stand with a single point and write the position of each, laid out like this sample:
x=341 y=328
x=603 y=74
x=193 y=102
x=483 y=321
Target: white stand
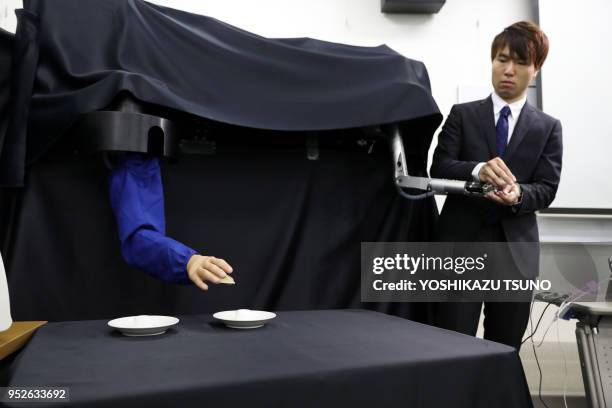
x=5 y=304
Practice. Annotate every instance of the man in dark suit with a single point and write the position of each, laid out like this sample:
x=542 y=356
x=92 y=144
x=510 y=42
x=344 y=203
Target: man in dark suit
x=505 y=141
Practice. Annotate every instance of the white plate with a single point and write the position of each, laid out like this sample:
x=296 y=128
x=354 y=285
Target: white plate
x=143 y=325
x=244 y=318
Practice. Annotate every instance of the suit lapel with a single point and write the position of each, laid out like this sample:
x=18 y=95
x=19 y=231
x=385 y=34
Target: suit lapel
x=520 y=130
x=487 y=124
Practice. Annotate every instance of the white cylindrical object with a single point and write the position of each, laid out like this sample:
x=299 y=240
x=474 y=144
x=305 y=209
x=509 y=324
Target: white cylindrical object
x=5 y=305
x=447 y=186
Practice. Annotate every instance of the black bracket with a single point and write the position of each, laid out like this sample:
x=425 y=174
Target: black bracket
x=114 y=131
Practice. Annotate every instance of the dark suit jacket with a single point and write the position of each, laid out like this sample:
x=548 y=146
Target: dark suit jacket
x=533 y=155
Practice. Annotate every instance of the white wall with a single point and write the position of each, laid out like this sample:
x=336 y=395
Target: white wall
x=8 y=21
x=577 y=90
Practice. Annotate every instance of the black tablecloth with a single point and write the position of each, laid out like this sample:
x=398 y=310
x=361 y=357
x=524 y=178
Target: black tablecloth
x=351 y=358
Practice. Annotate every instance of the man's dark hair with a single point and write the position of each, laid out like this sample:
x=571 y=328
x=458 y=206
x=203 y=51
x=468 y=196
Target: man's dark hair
x=526 y=42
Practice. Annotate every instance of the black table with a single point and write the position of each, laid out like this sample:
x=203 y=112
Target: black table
x=335 y=358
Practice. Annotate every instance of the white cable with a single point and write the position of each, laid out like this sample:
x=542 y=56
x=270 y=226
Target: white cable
x=530 y=312
x=546 y=331
x=535 y=354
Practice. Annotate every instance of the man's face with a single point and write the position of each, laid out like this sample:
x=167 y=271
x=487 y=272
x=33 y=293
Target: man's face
x=511 y=76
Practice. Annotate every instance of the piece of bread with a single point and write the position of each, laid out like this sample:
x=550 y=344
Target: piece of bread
x=228 y=280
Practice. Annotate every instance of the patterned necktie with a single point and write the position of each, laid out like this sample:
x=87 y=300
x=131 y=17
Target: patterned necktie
x=501 y=130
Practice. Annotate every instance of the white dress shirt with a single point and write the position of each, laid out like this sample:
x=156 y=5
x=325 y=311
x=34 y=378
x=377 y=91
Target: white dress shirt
x=515 y=110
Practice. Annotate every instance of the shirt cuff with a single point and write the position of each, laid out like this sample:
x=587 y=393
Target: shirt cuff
x=476 y=171
x=516 y=207
x=178 y=262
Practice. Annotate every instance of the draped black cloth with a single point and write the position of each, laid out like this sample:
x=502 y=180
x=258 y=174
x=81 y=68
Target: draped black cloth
x=290 y=227
x=347 y=358
x=77 y=55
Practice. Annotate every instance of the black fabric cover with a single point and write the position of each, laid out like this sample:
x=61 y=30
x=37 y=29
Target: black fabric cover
x=7 y=40
x=290 y=227
x=90 y=50
x=321 y=359
x=19 y=55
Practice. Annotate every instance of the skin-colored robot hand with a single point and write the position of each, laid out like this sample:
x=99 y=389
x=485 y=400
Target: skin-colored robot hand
x=201 y=269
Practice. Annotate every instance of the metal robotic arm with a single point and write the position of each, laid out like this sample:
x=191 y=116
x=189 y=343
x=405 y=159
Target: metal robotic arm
x=428 y=186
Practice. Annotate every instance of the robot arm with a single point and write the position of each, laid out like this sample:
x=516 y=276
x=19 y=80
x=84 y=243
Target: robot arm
x=428 y=186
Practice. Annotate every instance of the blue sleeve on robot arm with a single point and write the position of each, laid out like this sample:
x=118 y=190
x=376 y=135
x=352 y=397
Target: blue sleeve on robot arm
x=137 y=200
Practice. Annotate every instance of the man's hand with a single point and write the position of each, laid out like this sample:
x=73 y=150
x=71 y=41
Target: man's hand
x=207 y=268
x=510 y=195
x=497 y=173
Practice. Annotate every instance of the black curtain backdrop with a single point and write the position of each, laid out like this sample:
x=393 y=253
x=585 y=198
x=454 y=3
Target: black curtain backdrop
x=290 y=227
x=75 y=56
